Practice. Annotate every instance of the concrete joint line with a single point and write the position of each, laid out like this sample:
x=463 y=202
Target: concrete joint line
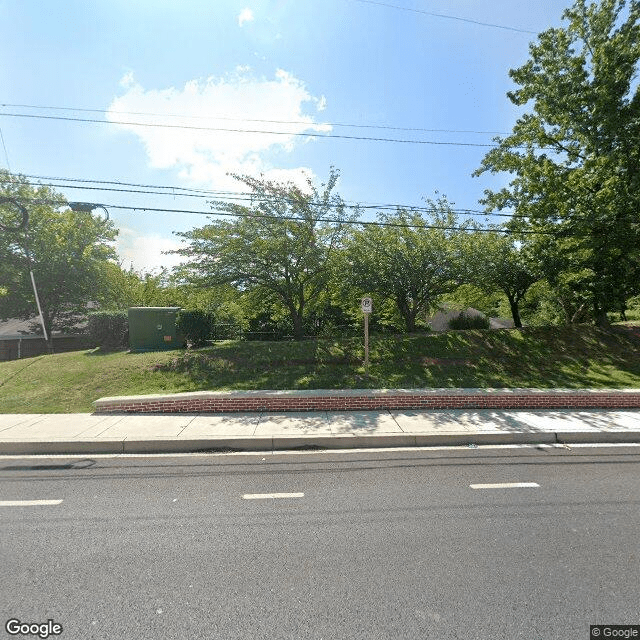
x=186 y=425
x=558 y=441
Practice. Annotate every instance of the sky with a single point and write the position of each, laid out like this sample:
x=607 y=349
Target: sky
x=291 y=75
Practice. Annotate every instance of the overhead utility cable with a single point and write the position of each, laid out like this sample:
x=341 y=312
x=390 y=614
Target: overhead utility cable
x=200 y=117
x=6 y=155
x=298 y=219
x=242 y=196
x=277 y=133
x=443 y=15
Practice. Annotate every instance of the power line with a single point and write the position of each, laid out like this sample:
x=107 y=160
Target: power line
x=443 y=15
x=242 y=196
x=297 y=219
x=131 y=184
x=200 y=117
x=6 y=155
x=278 y=133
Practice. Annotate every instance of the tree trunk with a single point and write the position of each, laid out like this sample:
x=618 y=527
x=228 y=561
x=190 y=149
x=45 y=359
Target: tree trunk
x=408 y=314
x=623 y=310
x=600 y=316
x=410 y=321
x=298 y=328
x=49 y=341
x=515 y=312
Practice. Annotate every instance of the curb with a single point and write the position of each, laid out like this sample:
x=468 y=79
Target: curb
x=291 y=443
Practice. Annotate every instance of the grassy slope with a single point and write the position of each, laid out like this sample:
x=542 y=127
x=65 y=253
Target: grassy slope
x=578 y=356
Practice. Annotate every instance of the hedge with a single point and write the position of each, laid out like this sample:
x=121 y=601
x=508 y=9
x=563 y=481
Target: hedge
x=109 y=330
x=463 y=321
x=196 y=327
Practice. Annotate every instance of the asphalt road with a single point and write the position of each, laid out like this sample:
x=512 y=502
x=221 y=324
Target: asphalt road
x=386 y=544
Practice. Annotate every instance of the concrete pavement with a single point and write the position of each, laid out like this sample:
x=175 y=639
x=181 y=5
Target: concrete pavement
x=268 y=431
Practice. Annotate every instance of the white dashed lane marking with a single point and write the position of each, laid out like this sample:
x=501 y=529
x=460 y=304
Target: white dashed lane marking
x=505 y=485
x=266 y=496
x=28 y=503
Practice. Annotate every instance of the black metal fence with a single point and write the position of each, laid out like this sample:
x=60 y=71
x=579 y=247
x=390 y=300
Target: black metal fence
x=234 y=332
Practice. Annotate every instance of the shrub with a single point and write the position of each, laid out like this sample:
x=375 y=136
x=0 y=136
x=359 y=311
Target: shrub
x=464 y=321
x=109 y=330
x=196 y=327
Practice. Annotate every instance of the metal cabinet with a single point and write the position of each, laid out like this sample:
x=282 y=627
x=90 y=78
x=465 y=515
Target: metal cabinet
x=154 y=328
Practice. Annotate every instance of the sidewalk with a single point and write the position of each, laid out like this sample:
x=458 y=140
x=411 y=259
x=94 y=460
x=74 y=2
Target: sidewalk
x=86 y=433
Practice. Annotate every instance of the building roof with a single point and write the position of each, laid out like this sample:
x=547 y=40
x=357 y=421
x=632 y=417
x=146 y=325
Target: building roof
x=15 y=328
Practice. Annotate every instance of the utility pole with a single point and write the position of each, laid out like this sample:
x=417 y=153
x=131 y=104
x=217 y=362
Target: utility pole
x=24 y=225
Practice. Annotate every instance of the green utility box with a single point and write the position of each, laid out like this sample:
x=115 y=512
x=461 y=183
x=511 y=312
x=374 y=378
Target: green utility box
x=154 y=328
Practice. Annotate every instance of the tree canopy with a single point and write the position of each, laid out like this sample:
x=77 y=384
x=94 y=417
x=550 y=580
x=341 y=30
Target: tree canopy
x=498 y=263
x=67 y=251
x=408 y=258
x=282 y=242
x=575 y=156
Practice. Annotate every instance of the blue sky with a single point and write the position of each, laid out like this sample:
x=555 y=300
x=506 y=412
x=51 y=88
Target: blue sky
x=226 y=64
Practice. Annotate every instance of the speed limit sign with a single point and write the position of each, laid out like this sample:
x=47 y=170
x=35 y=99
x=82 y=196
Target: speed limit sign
x=367 y=305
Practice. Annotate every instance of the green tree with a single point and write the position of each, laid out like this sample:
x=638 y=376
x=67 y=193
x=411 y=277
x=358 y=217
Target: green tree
x=124 y=288
x=403 y=259
x=283 y=242
x=576 y=155
x=469 y=295
x=499 y=263
x=67 y=251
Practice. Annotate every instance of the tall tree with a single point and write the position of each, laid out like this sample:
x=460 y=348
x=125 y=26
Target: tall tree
x=407 y=258
x=499 y=263
x=283 y=242
x=576 y=154
x=67 y=252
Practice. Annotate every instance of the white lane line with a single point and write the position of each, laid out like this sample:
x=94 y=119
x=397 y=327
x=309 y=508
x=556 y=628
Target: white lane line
x=505 y=485
x=28 y=503
x=266 y=496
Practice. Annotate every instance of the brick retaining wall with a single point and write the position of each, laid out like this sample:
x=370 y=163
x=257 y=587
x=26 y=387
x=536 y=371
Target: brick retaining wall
x=366 y=400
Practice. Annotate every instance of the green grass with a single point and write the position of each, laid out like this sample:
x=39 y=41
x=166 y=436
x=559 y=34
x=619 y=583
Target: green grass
x=573 y=357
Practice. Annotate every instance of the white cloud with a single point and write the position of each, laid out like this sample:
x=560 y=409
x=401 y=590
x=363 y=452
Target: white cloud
x=127 y=80
x=144 y=252
x=230 y=103
x=246 y=15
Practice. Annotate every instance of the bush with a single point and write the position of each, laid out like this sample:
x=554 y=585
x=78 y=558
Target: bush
x=196 y=327
x=109 y=330
x=463 y=321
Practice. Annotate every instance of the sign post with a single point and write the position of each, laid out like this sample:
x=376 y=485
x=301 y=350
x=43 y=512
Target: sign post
x=367 y=306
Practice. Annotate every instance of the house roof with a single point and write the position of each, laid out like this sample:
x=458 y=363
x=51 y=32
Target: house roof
x=16 y=328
